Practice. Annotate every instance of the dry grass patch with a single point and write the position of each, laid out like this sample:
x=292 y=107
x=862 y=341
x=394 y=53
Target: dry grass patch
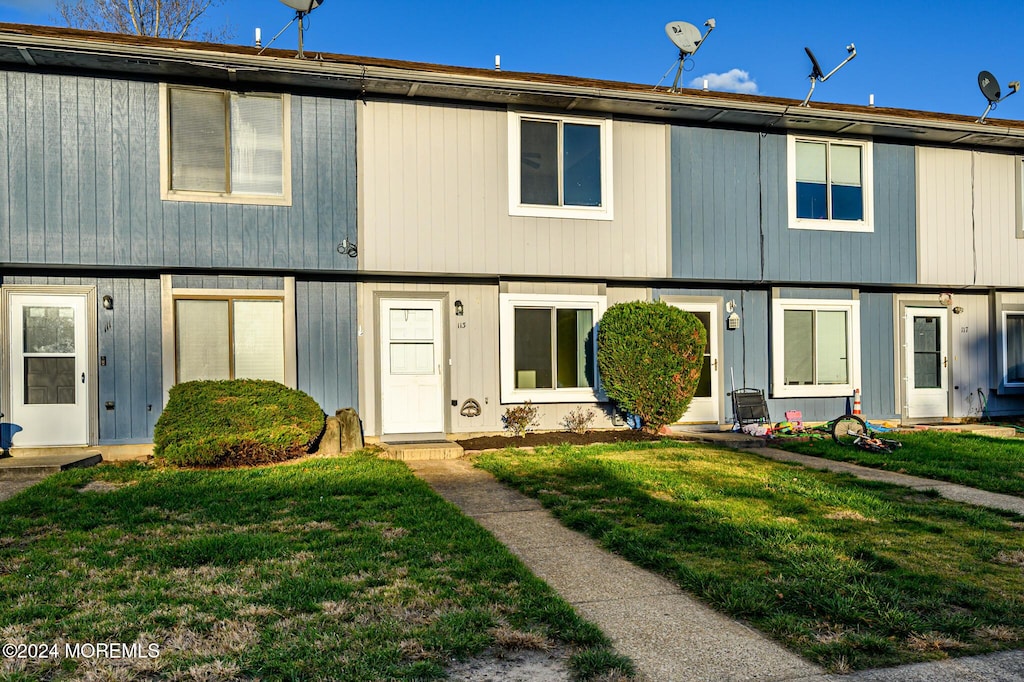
x=849 y=515
x=1015 y=558
x=999 y=633
x=931 y=641
x=517 y=640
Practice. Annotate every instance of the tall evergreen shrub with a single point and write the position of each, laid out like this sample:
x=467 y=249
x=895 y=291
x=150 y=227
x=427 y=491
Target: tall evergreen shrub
x=650 y=356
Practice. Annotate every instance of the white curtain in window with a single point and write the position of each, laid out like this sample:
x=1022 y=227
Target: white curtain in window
x=798 y=329
x=810 y=162
x=256 y=145
x=846 y=165
x=833 y=362
x=198 y=133
x=202 y=340
x=259 y=340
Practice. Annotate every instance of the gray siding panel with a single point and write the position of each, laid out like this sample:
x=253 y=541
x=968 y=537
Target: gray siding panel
x=715 y=204
x=80 y=184
x=226 y=282
x=746 y=353
x=129 y=338
x=325 y=333
x=885 y=256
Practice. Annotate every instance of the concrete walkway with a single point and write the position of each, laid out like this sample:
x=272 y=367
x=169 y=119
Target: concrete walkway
x=667 y=633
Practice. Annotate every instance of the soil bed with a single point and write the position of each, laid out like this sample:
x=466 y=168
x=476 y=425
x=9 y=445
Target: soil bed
x=535 y=438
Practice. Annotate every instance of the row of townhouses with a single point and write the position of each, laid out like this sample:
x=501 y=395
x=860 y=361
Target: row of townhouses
x=431 y=244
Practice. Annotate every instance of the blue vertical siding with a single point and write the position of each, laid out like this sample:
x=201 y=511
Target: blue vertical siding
x=80 y=184
x=885 y=256
x=729 y=194
x=715 y=204
x=129 y=338
x=326 y=329
x=747 y=353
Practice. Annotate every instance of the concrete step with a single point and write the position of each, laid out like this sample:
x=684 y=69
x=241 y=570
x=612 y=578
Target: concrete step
x=420 y=451
x=980 y=429
x=27 y=466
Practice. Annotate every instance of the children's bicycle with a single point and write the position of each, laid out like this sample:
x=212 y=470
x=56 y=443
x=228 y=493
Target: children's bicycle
x=852 y=430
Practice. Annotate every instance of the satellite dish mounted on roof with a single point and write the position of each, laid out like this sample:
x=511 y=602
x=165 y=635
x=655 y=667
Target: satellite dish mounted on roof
x=302 y=8
x=818 y=75
x=688 y=39
x=990 y=88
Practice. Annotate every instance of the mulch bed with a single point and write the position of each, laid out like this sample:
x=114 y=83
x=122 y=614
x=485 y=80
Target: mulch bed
x=533 y=439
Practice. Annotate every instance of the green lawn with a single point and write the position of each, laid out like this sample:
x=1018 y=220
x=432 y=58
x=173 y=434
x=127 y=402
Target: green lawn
x=341 y=569
x=994 y=464
x=848 y=573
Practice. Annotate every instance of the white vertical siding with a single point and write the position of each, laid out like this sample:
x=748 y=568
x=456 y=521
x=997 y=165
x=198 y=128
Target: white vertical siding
x=967 y=232
x=969 y=336
x=1000 y=254
x=944 y=217
x=434 y=198
x=473 y=350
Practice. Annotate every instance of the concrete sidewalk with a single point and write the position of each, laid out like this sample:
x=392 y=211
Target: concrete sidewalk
x=667 y=633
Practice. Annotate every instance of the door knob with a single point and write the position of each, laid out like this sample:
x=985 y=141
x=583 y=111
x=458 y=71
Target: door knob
x=83 y=377
x=714 y=364
x=945 y=362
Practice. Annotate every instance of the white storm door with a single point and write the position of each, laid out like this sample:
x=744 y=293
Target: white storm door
x=927 y=363
x=704 y=406
x=48 y=370
x=412 y=366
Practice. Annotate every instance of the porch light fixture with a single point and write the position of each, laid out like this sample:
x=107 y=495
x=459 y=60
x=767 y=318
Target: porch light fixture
x=733 y=320
x=946 y=298
x=459 y=309
x=108 y=302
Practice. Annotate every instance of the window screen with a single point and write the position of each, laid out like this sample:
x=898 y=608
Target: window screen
x=198 y=141
x=202 y=340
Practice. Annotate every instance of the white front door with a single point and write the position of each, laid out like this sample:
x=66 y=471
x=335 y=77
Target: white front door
x=49 y=370
x=412 y=366
x=704 y=406
x=927 y=363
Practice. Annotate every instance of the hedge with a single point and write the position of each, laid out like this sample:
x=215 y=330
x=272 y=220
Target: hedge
x=235 y=422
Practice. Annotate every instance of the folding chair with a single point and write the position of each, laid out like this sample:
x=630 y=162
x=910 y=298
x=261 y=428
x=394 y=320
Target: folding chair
x=749 y=406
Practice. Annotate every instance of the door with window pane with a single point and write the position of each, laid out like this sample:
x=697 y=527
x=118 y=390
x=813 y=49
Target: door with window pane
x=704 y=408
x=927 y=363
x=49 y=374
x=412 y=366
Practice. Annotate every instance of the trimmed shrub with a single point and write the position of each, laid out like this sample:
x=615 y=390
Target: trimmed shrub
x=235 y=422
x=650 y=356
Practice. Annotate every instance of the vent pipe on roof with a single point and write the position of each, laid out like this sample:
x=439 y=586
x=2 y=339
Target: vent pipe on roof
x=259 y=37
x=497 y=62
x=871 y=100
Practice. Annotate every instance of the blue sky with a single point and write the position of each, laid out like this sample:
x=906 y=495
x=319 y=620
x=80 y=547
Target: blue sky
x=915 y=55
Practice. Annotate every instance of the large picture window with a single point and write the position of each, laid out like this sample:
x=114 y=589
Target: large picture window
x=226 y=338
x=225 y=146
x=816 y=348
x=559 y=167
x=830 y=184
x=548 y=347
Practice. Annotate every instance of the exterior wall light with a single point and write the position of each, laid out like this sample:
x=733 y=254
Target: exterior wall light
x=108 y=302
x=459 y=309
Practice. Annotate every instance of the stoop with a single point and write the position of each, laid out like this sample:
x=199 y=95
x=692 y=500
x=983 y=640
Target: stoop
x=44 y=465
x=412 y=451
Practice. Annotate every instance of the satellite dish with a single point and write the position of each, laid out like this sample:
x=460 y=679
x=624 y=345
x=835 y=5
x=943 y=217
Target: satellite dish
x=685 y=36
x=302 y=5
x=990 y=88
x=817 y=74
x=688 y=39
x=302 y=8
x=816 y=71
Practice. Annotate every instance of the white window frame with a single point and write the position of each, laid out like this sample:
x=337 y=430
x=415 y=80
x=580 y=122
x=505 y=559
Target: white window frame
x=1005 y=368
x=867 y=180
x=167 y=193
x=779 y=387
x=516 y=208
x=507 y=304
x=168 y=323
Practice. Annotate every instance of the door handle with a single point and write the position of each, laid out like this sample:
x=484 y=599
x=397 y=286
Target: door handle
x=714 y=364
x=945 y=362
x=83 y=377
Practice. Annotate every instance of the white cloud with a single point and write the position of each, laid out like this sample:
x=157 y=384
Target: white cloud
x=735 y=80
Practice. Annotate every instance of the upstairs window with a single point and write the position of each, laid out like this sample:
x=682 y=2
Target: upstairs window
x=559 y=167
x=225 y=146
x=830 y=184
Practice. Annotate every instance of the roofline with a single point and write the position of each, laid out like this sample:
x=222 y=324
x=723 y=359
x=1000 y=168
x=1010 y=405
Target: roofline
x=367 y=75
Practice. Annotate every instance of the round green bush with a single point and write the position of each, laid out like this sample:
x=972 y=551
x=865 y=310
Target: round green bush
x=650 y=356
x=235 y=422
